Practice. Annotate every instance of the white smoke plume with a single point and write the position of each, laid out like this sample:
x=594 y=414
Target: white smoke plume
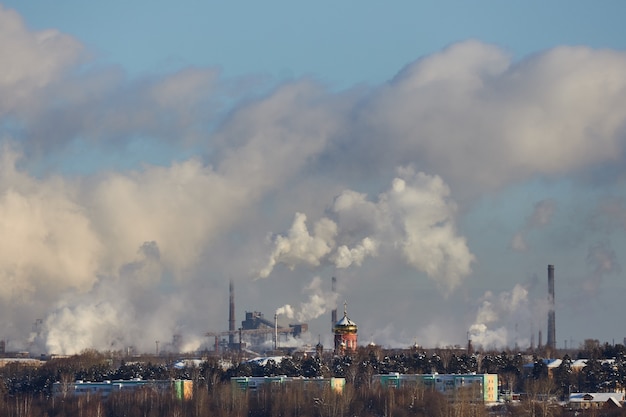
x=344 y=256
x=415 y=216
x=72 y=329
x=301 y=247
x=125 y=201
x=496 y=315
x=84 y=239
x=46 y=233
x=81 y=321
x=425 y=229
x=286 y=311
x=317 y=303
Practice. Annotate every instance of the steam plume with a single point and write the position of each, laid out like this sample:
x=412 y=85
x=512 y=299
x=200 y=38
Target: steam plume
x=124 y=201
x=415 y=215
x=285 y=310
x=503 y=311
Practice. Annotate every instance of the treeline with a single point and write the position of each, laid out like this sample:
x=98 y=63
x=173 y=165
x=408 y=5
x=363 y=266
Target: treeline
x=268 y=401
x=27 y=391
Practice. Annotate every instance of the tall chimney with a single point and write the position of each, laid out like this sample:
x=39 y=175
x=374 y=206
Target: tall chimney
x=275 y=331
x=333 y=313
x=551 y=343
x=231 y=316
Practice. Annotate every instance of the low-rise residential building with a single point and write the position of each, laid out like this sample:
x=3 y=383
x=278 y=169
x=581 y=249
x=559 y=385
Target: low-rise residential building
x=481 y=387
x=252 y=383
x=579 y=364
x=586 y=400
x=550 y=364
x=183 y=389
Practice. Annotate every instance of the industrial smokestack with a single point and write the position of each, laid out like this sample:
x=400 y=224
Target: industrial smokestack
x=333 y=313
x=275 y=331
x=551 y=343
x=231 y=316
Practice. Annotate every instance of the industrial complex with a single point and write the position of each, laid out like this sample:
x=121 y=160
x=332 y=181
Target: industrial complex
x=258 y=334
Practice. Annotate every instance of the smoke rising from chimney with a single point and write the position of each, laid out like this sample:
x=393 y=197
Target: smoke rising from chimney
x=502 y=310
x=317 y=303
x=415 y=217
x=118 y=248
x=285 y=310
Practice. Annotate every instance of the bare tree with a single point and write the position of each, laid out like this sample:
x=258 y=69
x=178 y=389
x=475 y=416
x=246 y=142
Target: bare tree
x=540 y=394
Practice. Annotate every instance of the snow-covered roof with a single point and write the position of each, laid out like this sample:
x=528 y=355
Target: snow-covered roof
x=550 y=363
x=188 y=363
x=581 y=363
x=262 y=361
x=345 y=321
x=596 y=397
x=555 y=363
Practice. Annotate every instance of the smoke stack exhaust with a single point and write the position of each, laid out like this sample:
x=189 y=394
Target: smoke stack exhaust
x=231 y=316
x=551 y=343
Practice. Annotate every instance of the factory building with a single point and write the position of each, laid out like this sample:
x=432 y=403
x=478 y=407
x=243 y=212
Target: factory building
x=255 y=332
x=262 y=330
x=479 y=387
x=345 y=334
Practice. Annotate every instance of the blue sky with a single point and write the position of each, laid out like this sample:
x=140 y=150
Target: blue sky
x=434 y=156
x=341 y=44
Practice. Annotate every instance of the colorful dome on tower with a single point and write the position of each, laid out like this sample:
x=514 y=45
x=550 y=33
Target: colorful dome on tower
x=345 y=325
